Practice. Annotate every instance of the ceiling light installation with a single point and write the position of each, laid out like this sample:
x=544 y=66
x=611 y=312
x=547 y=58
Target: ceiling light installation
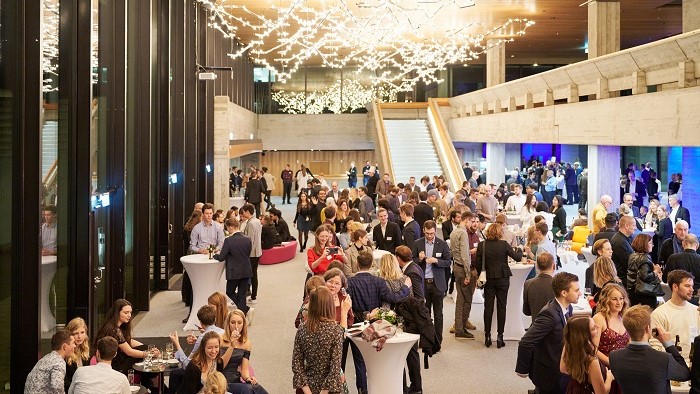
x=346 y=96
x=400 y=41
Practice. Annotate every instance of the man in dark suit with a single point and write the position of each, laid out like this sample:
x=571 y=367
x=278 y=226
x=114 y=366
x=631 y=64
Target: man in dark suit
x=538 y=290
x=639 y=368
x=411 y=230
x=539 y=351
x=621 y=244
x=254 y=191
x=448 y=226
x=638 y=191
x=675 y=243
x=281 y=225
x=413 y=271
x=609 y=230
x=386 y=235
x=628 y=200
x=423 y=211
x=677 y=212
x=687 y=260
x=372 y=184
x=318 y=202
x=433 y=256
x=367 y=292
x=236 y=252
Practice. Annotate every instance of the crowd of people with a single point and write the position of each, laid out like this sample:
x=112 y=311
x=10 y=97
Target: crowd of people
x=638 y=249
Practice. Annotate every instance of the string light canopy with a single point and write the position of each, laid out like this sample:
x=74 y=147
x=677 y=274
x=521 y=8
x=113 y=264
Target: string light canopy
x=347 y=95
x=396 y=40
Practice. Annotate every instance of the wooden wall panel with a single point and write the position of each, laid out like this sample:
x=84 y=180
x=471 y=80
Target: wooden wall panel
x=338 y=160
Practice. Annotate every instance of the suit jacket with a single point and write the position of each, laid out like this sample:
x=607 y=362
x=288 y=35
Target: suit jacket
x=688 y=260
x=441 y=251
x=383 y=188
x=537 y=293
x=394 y=203
x=622 y=249
x=391 y=238
x=368 y=292
x=540 y=348
x=335 y=195
x=495 y=258
x=684 y=214
x=641 y=191
x=283 y=230
x=236 y=253
x=253 y=230
x=254 y=191
x=447 y=227
x=422 y=213
x=366 y=209
x=413 y=271
x=411 y=232
x=641 y=369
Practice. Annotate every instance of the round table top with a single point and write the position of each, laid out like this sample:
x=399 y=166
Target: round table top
x=398 y=338
x=159 y=368
x=48 y=260
x=198 y=259
x=521 y=266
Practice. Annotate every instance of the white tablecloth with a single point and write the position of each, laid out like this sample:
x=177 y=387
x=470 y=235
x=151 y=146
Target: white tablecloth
x=385 y=368
x=683 y=388
x=570 y=263
x=205 y=276
x=48 y=270
x=513 y=219
x=588 y=254
x=514 y=329
x=378 y=253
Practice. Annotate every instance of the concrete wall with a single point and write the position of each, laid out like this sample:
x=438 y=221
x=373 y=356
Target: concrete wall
x=656 y=119
x=322 y=132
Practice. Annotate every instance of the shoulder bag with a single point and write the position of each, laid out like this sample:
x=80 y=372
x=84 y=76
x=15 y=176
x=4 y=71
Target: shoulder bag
x=481 y=282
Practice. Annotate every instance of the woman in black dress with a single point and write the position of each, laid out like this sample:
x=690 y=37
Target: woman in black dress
x=302 y=219
x=578 y=359
x=236 y=358
x=559 y=221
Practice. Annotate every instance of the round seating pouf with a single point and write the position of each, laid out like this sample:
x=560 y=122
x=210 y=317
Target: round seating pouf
x=279 y=254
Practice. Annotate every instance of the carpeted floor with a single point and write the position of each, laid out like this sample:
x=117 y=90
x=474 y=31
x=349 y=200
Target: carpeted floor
x=461 y=366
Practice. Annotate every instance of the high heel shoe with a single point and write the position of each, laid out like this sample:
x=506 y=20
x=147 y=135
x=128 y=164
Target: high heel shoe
x=487 y=340
x=499 y=341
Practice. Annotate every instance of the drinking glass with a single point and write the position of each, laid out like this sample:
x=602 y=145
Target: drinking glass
x=399 y=324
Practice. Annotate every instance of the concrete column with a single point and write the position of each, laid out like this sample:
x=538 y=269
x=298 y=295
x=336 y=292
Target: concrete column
x=603 y=28
x=675 y=163
x=512 y=158
x=691 y=186
x=691 y=15
x=603 y=175
x=495 y=63
x=221 y=145
x=495 y=163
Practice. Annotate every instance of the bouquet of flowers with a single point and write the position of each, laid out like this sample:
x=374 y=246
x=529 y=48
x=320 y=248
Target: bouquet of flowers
x=387 y=315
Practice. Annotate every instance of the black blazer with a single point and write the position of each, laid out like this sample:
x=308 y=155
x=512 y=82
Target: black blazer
x=447 y=228
x=269 y=237
x=415 y=272
x=254 y=191
x=683 y=214
x=622 y=249
x=391 y=238
x=422 y=213
x=411 y=232
x=641 y=369
x=236 y=253
x=497 y=252
x=540 y=348
x=441 y=251
x=537 y=293
x=283 y=230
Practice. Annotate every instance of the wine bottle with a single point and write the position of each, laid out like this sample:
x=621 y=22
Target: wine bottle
x=678 y=344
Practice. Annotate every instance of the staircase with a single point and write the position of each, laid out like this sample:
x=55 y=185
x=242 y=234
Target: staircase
x=411 y=149
x=49 y=146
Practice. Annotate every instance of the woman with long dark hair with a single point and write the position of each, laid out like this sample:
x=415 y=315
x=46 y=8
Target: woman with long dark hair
x=578 y=358
x=118 y=326
x=643 y=276
x=302 y=219
x=559 y=220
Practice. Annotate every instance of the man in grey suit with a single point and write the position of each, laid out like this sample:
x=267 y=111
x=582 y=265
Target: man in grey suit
x=366 y=205
x=538 y=290
x=236 y=253
x=253 y=230
x=433 y=255
x=640 y=369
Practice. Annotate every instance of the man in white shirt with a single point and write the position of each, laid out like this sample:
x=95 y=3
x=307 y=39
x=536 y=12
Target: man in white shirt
x=678 y=316
x=544 y=244
x=516 y=202
x=101 y=378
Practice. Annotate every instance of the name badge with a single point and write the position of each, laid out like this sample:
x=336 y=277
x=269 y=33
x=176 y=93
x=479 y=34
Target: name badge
x=438 y=254
x=476 y=244
x=389 y=238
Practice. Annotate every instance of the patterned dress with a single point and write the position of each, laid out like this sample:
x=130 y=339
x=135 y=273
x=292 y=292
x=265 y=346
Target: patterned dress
x=316 y=358
x=611 y=340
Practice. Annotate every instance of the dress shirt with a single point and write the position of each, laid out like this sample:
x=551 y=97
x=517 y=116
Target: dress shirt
x=515 y=203
x=180 y=355
x=47 y=376
x=429 y=253
x=99 y=378
x=673 y=213
x=551 y=184
x=546 y=246
x=204 y=235
x=48 y=237
x=566 y=312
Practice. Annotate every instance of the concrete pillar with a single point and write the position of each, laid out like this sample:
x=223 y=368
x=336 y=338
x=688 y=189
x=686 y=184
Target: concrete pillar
x=603 y=28
x=495 y=63
x=512 y=158
x=603 y=175
x=691 y=186
x=221 y=145
x=691 y=15
x=495 y=163
x=675 y=163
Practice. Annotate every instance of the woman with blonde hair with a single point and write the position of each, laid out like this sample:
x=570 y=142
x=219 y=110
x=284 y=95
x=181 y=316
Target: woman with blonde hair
x=317 y=347
x=81 y=356
x=353 y=199
x=220 y=304
x=235 y=360
x=578 y=358
x=613 y=336
x=215 y=384
x=390 y=271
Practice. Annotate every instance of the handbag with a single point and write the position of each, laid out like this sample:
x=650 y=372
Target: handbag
x=648 y=289
x=481 y=282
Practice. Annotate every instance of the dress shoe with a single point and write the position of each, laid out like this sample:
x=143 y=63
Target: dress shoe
x=249 y=316
x=469 y=326
x=487 y=340
x=185 y=319
x=499 y=341
x=464 y=335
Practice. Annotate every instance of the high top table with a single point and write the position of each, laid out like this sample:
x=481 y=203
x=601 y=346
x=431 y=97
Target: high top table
x=48 y=270
x=205 y=275
x=514 y=329
x=385 y=368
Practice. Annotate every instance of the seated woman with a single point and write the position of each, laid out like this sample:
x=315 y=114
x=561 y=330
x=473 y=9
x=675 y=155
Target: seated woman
x=118 y=326
x=205 y=361
x=390 y=271
x=236 y=358
x=269 y=237
x=81 y=356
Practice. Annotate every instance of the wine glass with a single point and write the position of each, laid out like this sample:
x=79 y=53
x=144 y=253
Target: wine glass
x=399 y=324
x=168 y=350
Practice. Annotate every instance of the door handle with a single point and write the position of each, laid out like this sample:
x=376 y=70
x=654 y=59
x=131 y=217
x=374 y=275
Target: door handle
x=170 y=228
x=98 y=278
